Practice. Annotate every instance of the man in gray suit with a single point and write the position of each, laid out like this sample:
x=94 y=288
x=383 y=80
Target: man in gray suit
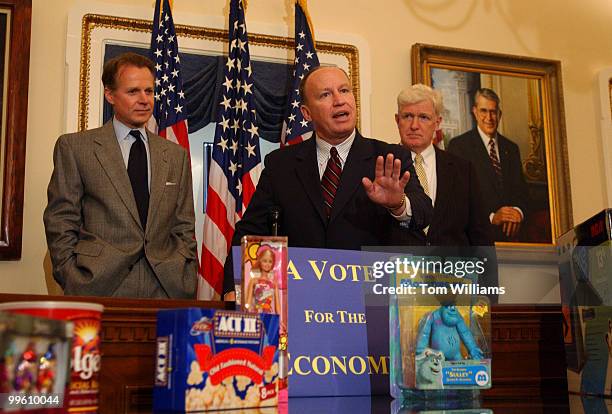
x=119 y=219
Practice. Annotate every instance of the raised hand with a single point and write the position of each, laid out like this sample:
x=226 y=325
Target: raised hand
x=387 y=189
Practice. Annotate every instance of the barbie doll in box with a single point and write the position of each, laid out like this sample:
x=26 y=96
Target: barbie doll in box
x=262 y=289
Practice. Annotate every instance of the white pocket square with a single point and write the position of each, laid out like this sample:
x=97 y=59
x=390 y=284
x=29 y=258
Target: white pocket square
x=169 y=183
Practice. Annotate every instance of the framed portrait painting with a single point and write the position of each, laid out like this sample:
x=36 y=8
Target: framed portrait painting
x=15 y=22
x=529 y=127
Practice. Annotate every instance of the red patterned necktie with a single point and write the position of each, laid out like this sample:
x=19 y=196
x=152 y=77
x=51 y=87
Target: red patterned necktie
x=331 y=180
x=494 y=159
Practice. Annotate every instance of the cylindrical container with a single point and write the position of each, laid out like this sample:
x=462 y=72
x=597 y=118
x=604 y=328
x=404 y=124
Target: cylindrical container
x=82 y=393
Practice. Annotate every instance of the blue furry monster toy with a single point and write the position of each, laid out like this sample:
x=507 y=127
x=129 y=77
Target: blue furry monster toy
x=444 y=329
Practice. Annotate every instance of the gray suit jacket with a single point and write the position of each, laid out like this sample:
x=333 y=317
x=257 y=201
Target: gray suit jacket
x=96 y=242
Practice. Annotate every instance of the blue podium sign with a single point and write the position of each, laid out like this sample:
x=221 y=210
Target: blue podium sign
x=338 y=329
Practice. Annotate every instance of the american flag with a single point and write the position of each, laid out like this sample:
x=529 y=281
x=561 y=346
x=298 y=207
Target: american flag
x=236 y=161
x=295 y=128
x=170 y=111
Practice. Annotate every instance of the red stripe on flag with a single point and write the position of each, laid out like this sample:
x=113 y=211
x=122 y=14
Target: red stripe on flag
x=217 y=212
x=180 y=132
x=248 y=189
x=212 y=270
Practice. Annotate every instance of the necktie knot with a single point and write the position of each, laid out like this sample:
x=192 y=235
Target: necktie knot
x=334 y=153
x=418 y=159
x=136 y=134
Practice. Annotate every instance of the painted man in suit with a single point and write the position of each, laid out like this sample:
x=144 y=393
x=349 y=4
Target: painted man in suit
x=498 y=165
x=119 y=219
x=459 y=217
x=337 y=190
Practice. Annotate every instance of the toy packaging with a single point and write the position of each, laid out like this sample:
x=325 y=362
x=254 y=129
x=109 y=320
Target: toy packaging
x=440 y=340
x=34 y=362
x=264 y=286
x=211 y=359
x=585 y=264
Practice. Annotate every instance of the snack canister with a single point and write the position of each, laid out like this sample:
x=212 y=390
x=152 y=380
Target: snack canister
x=82 y=393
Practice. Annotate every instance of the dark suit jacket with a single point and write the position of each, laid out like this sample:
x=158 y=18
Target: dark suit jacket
x=460 y=224
x=97 y=244
x=291 y=182
x=513 y=190
x=459 y=217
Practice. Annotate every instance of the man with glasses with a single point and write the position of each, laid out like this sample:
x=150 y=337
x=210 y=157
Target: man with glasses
x=498 y=166
x=459 y=217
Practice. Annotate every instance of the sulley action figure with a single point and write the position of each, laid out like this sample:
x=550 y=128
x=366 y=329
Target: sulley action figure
x=443 y=330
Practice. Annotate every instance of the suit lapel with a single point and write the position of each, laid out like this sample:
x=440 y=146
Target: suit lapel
x=109 y=154
x=503 y=156
x=485 y=162
x=159 y=172
x=482 y=154
x=444 y=184
x=307 y=170
x=355 y=168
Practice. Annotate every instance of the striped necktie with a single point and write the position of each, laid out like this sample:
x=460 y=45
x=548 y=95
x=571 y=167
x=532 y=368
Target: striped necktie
x=331 y=180
x=422 y=176
x=495 y=159
x=420 y=170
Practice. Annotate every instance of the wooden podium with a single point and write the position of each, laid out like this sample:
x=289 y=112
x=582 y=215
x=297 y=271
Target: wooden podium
x=528 y=353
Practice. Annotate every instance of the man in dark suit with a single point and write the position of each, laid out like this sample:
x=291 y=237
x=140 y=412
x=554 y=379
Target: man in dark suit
x=459 y=218
x=338 y=189
x=120 y=220
x=497 y=161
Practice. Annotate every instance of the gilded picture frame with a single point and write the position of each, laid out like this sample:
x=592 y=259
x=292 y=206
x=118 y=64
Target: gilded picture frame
x=16 y=17
x=531 y=99
x=116 y=30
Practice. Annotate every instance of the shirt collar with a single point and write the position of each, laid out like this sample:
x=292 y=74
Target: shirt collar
x=122 y=131
x=485 y=138
x=428 y=154
x=343 y=148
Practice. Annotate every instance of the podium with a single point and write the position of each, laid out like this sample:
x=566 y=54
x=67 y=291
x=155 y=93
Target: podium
x=528 y=351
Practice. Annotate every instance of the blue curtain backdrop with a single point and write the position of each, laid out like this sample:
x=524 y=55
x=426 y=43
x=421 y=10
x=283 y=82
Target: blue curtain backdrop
x=202 y=83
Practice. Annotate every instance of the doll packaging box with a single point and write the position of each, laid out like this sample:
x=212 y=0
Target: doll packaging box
x=211 y=359
x=264 y=286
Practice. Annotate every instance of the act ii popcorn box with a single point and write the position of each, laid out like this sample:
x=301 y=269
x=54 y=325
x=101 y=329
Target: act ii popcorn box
x=211 y=359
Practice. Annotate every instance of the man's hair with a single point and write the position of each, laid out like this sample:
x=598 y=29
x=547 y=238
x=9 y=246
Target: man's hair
x=487 y=94
x=302 y=88
x=112 y=67
x=419 y=93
